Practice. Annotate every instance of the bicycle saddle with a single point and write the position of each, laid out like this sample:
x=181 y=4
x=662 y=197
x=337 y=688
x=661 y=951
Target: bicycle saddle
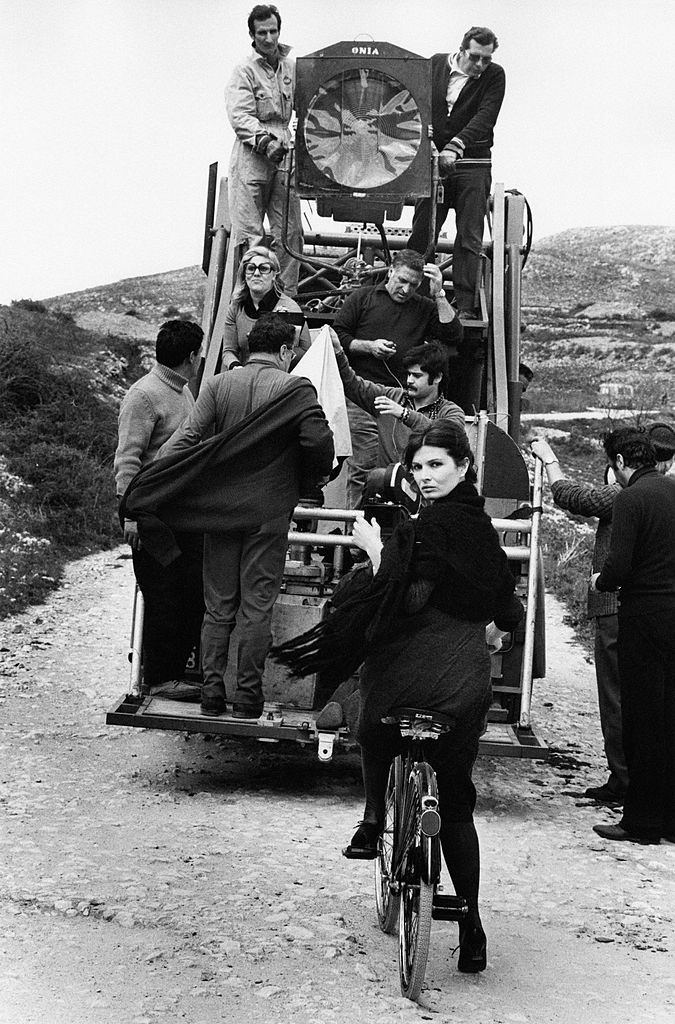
x=420 y=722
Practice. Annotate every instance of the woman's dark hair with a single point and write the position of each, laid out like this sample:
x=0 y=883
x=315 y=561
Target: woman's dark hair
x=442 y=434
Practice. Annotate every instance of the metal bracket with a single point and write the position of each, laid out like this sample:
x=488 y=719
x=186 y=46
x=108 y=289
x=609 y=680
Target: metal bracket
x=326 y=741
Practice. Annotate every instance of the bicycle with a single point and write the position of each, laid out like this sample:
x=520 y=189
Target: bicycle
x=408 y=861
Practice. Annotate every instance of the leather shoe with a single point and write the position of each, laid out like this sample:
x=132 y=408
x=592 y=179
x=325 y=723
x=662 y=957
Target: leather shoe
x=175 y=689
x=212 y=710
x=249 y=712
x=619 y=834
x=364 y=842
x=472 y=949
x=604 y=795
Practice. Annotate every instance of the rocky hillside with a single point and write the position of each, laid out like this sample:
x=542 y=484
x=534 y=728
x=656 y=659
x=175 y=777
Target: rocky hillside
x=632 y=266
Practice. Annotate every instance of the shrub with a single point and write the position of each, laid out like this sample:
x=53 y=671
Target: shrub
x=58 y=431
x=30 y=305
x=72 y=491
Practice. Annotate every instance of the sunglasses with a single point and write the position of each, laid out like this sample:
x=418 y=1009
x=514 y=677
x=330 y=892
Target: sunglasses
x=257 y=268
x=478 y=58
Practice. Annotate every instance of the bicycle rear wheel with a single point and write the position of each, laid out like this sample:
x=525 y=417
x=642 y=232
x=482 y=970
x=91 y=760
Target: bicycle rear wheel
x=420 y=874
x=386 y=901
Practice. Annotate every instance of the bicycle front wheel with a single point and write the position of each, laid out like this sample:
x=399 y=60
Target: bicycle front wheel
x=422 y=854
x=386 y=901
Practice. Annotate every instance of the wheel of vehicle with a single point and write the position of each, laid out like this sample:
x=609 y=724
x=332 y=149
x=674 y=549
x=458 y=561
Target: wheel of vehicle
x=422 y=853
x=387 y=902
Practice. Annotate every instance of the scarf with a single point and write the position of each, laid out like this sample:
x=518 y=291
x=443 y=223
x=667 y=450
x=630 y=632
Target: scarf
x=364 y=611
x=266 y=304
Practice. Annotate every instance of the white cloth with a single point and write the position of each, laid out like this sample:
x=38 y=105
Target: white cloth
x=319 y=366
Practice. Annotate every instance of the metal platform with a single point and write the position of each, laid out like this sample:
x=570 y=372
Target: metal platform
x=279 y=724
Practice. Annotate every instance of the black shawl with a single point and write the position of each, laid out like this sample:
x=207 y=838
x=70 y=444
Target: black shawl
x=454 y=545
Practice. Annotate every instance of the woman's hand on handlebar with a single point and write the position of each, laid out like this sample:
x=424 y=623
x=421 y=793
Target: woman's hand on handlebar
x=367 y=536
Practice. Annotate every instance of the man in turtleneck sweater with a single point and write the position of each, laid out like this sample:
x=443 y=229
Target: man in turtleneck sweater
x=153 y=408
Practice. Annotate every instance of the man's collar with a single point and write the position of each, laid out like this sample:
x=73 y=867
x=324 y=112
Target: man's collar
x=434 y=406
x=453 y=62
x=637 y=474
x=283 y=49
x=170 y=377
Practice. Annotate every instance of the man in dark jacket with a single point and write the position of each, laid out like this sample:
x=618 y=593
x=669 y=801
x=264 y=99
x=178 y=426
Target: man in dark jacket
x=243 y=564
x=467 y=94
x=641 y=564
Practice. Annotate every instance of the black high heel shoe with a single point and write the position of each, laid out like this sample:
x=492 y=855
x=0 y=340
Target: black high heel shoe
x=364 y=842
x=472 y=948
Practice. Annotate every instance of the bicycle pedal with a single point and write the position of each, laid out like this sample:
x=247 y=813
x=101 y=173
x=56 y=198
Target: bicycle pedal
x=448 y=908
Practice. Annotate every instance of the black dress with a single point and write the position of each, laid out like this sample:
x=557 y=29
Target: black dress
x=434 y=655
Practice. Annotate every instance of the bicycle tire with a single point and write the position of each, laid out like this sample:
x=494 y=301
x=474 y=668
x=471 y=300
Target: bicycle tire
x=386 y=901
x=419 y=882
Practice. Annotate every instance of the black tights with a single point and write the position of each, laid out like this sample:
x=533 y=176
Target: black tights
x=459 y=840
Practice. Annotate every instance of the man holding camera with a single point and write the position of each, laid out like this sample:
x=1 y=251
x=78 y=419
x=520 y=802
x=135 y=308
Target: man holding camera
x=259 y=100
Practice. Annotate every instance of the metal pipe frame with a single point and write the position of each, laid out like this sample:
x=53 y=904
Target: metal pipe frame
x=531 y=612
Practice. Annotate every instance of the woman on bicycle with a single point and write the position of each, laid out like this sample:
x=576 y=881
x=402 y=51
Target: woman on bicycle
x=419 y=626
x=258 y=290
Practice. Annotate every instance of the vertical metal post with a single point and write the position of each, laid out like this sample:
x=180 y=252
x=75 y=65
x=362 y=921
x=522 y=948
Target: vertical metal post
x=136 y=643
x=531 y=611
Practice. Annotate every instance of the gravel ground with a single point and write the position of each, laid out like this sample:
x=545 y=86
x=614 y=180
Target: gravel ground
x=151 y=878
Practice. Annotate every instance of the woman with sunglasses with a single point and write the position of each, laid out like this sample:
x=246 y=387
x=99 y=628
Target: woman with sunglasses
x=258 y=290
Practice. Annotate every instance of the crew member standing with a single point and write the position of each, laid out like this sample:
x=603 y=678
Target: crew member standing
x=153 y=408
x=641 y=562
x=259 y=99
x=244 y=553
x=467 y=94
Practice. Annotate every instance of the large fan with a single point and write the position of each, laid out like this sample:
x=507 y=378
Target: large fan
x=363 y=142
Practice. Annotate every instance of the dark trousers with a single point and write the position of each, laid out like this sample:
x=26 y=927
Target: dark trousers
x=466 y=190
x=609 y=700
x=174 y=607
x=647 y=673
x=242 y=574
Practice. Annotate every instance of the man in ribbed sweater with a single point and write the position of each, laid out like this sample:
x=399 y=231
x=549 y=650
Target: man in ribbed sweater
x=641 y=565
x=467 y=91
x=586 y=500
x=153 y=408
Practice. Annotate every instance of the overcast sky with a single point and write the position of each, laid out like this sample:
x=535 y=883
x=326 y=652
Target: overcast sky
x=113 y=110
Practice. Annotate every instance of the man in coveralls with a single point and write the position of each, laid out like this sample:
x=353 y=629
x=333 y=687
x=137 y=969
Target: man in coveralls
x=259 y=99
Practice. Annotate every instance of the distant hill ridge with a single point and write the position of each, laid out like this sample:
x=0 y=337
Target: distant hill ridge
x=630 y=265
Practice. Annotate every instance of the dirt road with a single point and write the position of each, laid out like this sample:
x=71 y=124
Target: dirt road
x=151 y=879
